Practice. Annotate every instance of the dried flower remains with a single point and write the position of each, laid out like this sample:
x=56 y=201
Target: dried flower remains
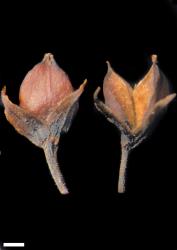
x=47 y=107
x=134 y=111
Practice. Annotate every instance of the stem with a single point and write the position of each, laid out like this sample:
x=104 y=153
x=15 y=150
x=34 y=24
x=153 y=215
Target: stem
x=123 y=166
x=50 y=151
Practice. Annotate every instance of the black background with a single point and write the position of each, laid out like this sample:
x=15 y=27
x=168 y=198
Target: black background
x=82 y=36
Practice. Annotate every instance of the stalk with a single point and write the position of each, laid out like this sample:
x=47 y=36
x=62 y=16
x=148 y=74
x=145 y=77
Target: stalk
x=123 y=165
x=50 y=151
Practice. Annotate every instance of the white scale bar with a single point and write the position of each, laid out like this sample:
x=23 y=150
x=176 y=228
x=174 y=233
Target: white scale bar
x=7 y=244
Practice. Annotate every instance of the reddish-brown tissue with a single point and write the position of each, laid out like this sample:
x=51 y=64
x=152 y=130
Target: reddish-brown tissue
x=44 y=86
x=134 y=110
x=47 y=107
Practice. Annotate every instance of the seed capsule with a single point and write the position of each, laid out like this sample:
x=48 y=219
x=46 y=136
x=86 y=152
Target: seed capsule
x=47 y=107
x=136 y=110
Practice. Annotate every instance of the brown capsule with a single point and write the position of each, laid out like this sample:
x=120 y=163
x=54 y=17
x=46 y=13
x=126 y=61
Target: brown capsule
x=47 y=107
x=134 y=111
